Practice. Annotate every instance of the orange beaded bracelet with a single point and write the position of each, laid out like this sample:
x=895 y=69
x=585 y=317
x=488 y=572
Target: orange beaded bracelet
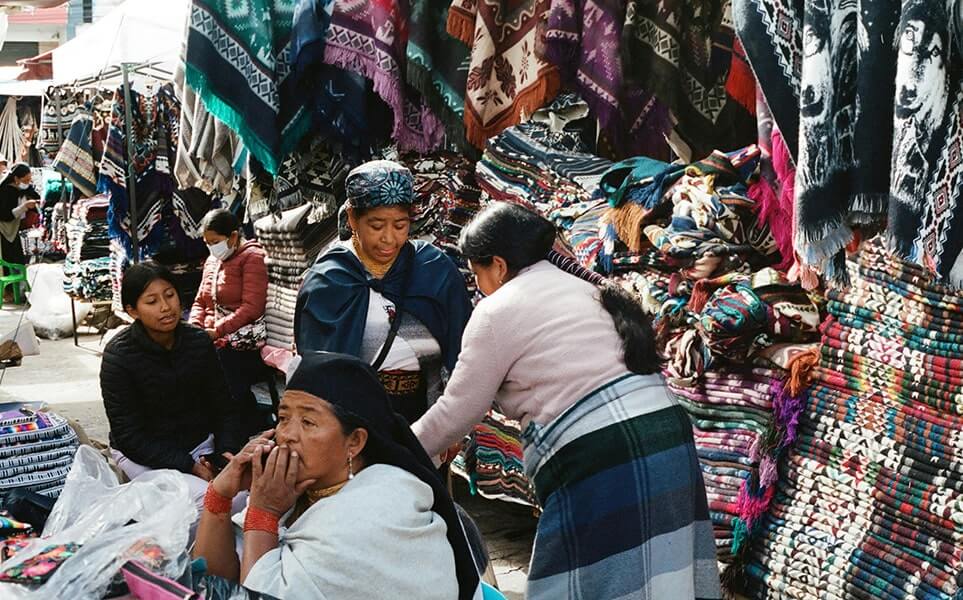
x=261 y=520
x=215 y=503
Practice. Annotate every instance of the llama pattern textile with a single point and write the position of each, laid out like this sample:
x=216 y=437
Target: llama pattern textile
x=842 y=69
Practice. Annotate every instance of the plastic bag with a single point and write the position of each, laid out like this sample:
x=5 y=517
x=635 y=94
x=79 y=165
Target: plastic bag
x=49 y=304
x=146 y=520
x=25 y=337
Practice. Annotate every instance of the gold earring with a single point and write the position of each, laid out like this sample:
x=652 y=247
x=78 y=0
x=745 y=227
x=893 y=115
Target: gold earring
x=350 y=468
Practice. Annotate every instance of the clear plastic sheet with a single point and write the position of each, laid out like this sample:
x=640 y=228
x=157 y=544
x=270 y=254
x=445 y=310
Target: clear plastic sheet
x=113 y=523
x=49 y=305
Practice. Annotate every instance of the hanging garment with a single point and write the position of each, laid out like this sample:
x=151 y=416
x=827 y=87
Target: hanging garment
x=237 y=62
x=207 y=147
x=583 y=39
x=507 y=77
x=155 y=123
x=370 y=38
x=438 y=65
x=60 y=108
x=687 y=56
x=75 y=161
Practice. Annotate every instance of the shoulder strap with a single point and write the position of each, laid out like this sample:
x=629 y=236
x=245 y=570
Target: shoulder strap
x=393 y=332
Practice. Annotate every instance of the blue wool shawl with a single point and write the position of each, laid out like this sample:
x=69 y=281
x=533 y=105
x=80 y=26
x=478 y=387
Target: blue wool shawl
x=332 y=307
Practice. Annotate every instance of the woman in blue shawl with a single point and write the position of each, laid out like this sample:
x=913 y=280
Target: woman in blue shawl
x=399 y=305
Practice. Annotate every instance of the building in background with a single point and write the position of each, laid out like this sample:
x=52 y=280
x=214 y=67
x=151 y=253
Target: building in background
x=31 y=32
x=85 y=12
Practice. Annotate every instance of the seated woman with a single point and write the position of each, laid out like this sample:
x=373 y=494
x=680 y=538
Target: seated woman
x=163 y=389
x=397 y=304
x=232 y=298
x=346 y=505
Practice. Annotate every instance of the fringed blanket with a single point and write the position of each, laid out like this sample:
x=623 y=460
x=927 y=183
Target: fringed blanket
x=237 y=62
x=369 y=38
x=601 y=538
x=507 y=78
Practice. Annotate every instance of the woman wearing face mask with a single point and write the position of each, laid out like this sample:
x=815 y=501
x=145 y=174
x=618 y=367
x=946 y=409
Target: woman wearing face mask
x=399 y=305
x=346 y=504
x=232 y=296
x=609 y=451
x=163 y=389
x=17 y=198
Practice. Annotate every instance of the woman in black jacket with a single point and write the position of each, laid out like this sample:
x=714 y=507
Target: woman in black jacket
x=17 y=198
x=163 y=388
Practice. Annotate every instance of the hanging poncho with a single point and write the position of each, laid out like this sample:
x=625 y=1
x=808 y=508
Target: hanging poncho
x=237 y=62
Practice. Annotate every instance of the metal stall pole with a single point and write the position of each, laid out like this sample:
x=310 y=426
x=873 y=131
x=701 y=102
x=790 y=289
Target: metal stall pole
x=131 y=176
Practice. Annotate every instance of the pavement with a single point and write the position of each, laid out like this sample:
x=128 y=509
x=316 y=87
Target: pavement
x=66 y=377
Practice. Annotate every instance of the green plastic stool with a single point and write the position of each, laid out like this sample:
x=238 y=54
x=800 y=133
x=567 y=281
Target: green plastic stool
x=17 y=275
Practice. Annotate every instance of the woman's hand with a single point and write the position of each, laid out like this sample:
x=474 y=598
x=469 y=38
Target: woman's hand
x=236 y=476
x=31 y=204
x=275 y=486
x=451 y=453
x=202 y=470
x=211 y=333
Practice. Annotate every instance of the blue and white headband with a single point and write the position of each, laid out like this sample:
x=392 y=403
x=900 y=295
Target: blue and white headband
x=379 y=183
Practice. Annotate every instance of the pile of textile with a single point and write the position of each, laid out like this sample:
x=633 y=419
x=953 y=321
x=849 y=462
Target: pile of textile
x=492 y=462
x=292 y=244
x=36 y=452
x=87 y=266
x=871 y=500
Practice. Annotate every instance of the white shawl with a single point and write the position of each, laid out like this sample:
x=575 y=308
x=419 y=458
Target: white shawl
x=376 y=538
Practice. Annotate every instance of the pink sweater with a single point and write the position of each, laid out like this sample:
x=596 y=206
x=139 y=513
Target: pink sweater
x=535 y=347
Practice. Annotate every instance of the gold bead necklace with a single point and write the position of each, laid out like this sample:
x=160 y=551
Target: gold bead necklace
x=377 y=270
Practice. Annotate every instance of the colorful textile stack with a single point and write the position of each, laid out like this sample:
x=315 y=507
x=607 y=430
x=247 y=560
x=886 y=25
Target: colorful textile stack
x=492 y=462
x=871 y=504
x=292 y=244
x=731 y=410
x=36 y=452
x=88 y=263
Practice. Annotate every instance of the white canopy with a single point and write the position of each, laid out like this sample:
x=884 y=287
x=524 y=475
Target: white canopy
x=137 y=31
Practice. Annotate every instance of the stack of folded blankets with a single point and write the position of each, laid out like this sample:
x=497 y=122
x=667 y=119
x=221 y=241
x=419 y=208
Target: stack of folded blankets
x=36 y=452
x=872 y=500
x=492 y=462
x=88 y=264
x=292 y=244
x=731 y=410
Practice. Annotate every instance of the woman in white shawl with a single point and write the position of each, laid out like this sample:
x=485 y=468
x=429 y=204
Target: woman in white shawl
x=346 y=506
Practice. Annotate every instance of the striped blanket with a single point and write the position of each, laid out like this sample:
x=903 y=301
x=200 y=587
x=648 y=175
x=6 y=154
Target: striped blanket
x=624 y=506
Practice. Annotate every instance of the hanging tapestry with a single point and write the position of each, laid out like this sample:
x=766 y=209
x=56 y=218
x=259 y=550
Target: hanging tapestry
x=60 y=108
x=370 y=38
x=237 y=60
x=508 y=78
x=207 y=148
x=683 y=53
x=438 y=65
x=336 y=98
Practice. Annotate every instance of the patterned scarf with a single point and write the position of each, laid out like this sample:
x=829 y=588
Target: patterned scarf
x=507 y=77
x=238 y=62
x=370 y=38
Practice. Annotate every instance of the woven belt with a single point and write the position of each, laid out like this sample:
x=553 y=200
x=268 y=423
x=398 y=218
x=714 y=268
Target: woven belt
x=398 y=383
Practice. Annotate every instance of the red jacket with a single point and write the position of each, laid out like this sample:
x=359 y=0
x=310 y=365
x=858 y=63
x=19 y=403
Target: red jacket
x=241 y=288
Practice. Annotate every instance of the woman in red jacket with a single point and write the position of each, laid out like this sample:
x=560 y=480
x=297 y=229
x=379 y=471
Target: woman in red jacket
x=230 y=307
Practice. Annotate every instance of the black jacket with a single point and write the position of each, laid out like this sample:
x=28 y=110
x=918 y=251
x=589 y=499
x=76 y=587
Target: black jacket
x=161 y=403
